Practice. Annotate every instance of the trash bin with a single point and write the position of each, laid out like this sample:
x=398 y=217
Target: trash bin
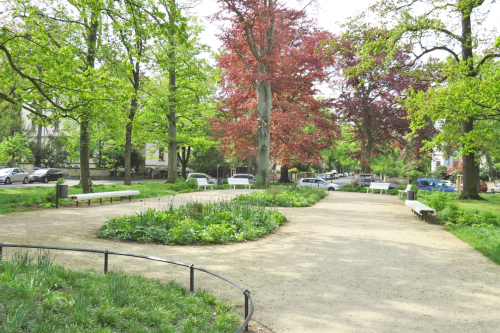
x=220 y=181
x=63 y=191
x=410 y=195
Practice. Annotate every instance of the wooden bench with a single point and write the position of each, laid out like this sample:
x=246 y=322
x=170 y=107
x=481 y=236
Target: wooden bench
x=238 y=181
x=203 y=182
x=401 y=192
x=378 y=186
x=102 y=195
x=420 y=209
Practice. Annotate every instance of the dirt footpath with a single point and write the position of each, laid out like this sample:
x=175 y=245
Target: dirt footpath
x=351 y=263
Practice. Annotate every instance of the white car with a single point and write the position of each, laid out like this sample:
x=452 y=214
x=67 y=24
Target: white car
x=318 y=183
x=251 y=178
x=495 y=188
x=210 y=180
x=448 y=182
x=11 y=175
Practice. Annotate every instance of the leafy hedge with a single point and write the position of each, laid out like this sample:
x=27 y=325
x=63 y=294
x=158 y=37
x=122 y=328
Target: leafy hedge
x=37 y=296
x=283 y=196
x=195 y=223
x=350 y=188
x=450 y=212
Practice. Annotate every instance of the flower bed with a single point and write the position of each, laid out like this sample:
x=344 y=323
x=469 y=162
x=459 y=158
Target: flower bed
x=195 y=223
x=281 y=196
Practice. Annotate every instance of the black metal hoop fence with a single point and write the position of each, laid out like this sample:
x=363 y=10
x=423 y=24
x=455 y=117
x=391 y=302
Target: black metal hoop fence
x=249 y=307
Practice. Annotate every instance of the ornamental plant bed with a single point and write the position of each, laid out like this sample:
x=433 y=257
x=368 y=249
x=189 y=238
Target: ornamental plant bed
x=194 y=223
x=283 y=196
x=40 y=297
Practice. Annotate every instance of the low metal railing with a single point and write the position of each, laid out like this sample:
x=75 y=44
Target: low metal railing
x=249 y=307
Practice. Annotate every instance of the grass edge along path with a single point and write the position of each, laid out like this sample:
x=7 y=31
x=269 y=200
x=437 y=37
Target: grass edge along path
x=477 y=223
x=39 y=296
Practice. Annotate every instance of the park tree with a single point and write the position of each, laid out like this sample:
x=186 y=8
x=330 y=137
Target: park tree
x=50 y=56
x=452 y=27
x=370 y=99
x=14 y=149
x=270 y=60
x=263 y=44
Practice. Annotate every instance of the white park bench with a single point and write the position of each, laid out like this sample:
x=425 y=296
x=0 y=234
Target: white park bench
x=203 y=182
x=401 y=192
x=419 y=208
x=238 y=181
x=378 y=186
x=102 y=195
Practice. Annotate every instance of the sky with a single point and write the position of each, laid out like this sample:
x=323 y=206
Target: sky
x=329 y=14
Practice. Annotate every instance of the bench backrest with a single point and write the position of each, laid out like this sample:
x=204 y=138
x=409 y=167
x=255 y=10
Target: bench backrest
x=202 y=181
x=381 y=186
x=238 y=181
x=408 y=187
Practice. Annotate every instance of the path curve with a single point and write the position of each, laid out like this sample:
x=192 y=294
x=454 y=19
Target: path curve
x=351 y=263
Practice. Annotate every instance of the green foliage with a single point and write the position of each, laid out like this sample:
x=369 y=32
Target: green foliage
x=10 y=121
x=440 y=173
x=292 y=170
x=452 y=211
x=51 y=152
x=206 y=161
x=416 y=170
x=113 y=158
x=283 y=196
x=14 y=149
x=194 y=223
x=40 y=297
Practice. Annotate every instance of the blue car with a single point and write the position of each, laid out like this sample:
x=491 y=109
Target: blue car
x=430 y=184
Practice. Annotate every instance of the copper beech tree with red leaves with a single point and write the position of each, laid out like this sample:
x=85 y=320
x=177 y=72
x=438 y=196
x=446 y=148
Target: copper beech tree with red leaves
x=270 y=62
x=371 y=99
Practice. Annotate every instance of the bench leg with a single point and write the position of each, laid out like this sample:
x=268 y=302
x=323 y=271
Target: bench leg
x=111 y=199
x=121 y=199
x=100 y=200
x=77 y=203
x=89 y=202
x=129 y=198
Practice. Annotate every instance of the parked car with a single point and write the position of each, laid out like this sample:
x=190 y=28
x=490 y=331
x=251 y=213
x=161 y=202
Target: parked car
x=326 y=176
x=366 y=181
x=251 y=178
x=448 y=182
x=482 y=186
x=45 y=175
x=11 y=175
x=495 y=188
x=431 y=184
x=318 y=183
x=210 y=180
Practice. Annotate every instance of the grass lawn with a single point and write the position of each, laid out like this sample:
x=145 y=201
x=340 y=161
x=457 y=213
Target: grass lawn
x=194 y=223
x=485 y=239
x=490 y=204
x=40 y=297
x=281 y=196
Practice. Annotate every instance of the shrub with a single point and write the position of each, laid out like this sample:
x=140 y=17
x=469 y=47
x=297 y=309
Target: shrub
x=195 y=223
x=283 y=196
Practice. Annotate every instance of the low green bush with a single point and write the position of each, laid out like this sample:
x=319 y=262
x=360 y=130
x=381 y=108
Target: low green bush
x=450 y=213
x=194 y=223
x=37 y=296
x=283 y=196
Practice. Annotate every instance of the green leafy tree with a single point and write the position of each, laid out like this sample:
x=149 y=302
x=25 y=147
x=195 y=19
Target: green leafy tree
x=13 y=150
x=445 y=26
x=51 y=151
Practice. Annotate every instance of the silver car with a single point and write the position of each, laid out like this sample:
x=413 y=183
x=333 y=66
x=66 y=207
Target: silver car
x=12 y=175
x=318 y=183
x=495 y=188
x=251 y=178
x=210 y=180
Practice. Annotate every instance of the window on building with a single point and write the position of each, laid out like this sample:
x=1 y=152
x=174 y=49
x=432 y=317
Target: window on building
x=161 y=155
x=33 y=125
x=438 y=163
x=455 y=163
x=56 y=125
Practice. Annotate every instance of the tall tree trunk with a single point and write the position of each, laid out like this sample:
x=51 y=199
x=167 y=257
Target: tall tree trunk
x=85 y=180
x=184 y=159
x=470 y=173
x=249 y=166
x=172 y=131
x=134 y=104
x=284 y=175
x=264 y=138
x=367 y=155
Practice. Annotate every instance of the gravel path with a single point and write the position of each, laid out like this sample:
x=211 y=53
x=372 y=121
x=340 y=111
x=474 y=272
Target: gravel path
x=351 y=263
